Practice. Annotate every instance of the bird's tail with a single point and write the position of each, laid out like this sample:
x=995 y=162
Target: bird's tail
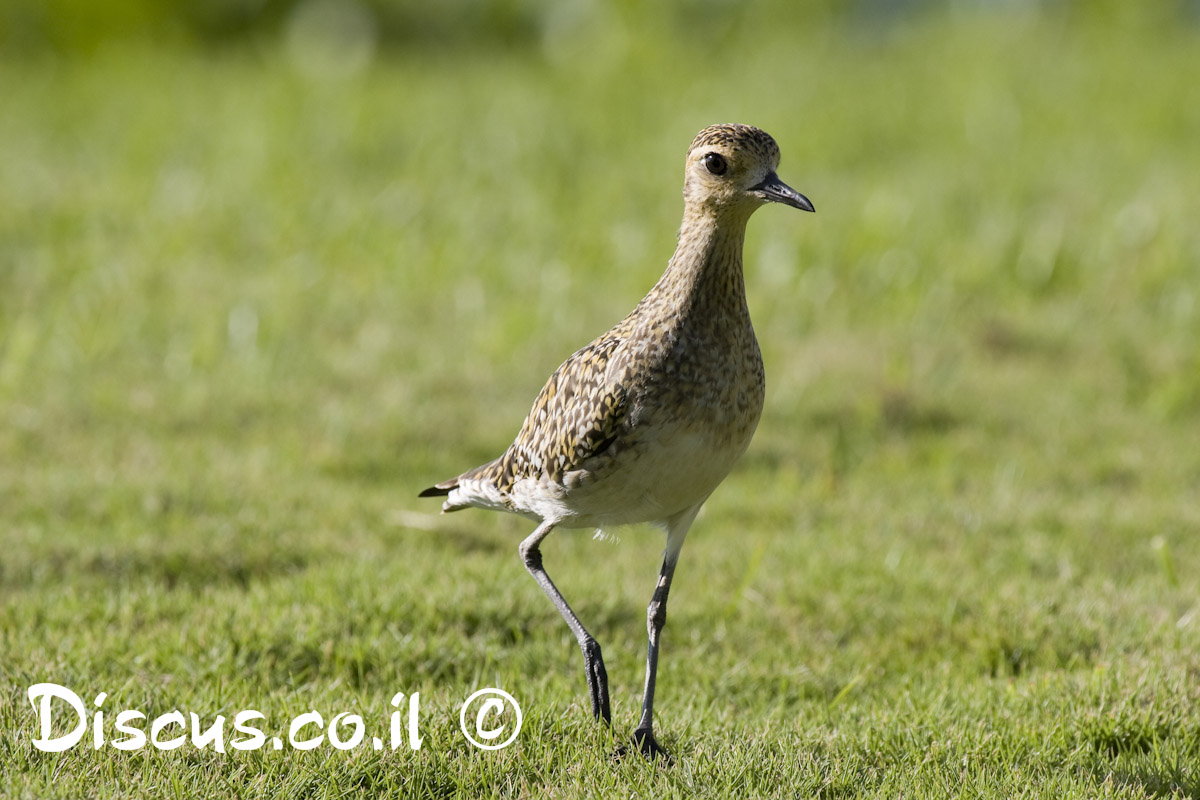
x=473 y=488
x=440 y=489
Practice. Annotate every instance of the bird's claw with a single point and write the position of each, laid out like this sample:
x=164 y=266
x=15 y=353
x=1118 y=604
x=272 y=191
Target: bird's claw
x=645 y=743
x=597 y=678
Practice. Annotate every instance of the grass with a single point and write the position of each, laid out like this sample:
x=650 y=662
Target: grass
x=246 y=314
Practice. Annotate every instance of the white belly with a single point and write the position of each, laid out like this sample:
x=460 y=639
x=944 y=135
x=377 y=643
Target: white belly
x=677 y=470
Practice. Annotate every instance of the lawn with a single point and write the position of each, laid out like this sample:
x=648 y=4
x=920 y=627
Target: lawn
x=248 y=311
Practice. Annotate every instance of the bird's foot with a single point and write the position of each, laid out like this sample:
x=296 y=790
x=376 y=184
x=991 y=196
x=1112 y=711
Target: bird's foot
x=645 y=743
x=597 y=679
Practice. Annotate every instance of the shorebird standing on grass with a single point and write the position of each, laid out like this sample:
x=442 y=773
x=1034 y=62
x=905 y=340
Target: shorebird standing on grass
x=644 y=423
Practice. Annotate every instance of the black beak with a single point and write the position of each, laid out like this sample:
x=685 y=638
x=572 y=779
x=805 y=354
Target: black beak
x=774 y=190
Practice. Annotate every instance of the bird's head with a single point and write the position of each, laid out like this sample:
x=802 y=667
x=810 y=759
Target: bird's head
x=731 y=168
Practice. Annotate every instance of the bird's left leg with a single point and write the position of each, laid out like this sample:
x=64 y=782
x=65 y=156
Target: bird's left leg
x=593 y=661
x=656 y=618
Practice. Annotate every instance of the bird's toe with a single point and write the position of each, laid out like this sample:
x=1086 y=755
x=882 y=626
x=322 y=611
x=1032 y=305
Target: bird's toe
x=643 y=742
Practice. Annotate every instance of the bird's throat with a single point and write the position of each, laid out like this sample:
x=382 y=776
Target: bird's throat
x=704 y=276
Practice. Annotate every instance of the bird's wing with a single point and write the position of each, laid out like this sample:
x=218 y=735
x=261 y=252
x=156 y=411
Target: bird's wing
x=577 y=415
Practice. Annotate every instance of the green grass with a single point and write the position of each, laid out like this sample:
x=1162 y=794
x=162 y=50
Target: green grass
x=246 y=315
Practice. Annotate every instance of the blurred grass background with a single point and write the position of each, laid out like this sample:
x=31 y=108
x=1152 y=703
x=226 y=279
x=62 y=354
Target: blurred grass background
x=268 y=269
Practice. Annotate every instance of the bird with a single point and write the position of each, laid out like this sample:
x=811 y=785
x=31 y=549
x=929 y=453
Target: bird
x=642 y=424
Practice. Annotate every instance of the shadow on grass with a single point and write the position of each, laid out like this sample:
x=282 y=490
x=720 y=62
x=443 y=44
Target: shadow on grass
x=463 y=541
x=1001 y=338
x=174 y=569
x=853 y=430
x=1173 y=784
x=1140 y=738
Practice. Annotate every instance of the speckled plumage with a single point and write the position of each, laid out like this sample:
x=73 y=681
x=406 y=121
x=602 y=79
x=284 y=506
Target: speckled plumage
x=738 y=138
x=683 y=365
x=642 y=424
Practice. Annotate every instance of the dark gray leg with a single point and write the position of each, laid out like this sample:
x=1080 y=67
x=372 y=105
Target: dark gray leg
x=593 y=662
x=656 y=618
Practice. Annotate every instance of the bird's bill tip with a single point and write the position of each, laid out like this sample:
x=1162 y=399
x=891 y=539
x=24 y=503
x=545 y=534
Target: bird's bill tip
x=774 y=190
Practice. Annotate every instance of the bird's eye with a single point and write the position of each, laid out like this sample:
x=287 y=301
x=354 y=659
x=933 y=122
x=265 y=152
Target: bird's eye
x=715 y=163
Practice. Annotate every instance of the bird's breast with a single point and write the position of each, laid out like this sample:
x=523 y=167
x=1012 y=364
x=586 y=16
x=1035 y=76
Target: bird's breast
x=710 y=382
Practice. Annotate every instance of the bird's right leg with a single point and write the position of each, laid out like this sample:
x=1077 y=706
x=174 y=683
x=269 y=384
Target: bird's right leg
x=593 y=662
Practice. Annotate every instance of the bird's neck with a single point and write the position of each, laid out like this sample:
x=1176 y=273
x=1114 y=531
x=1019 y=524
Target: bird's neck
x=704 y=276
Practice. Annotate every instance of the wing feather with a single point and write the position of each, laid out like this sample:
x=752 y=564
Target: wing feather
x=578 y=415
